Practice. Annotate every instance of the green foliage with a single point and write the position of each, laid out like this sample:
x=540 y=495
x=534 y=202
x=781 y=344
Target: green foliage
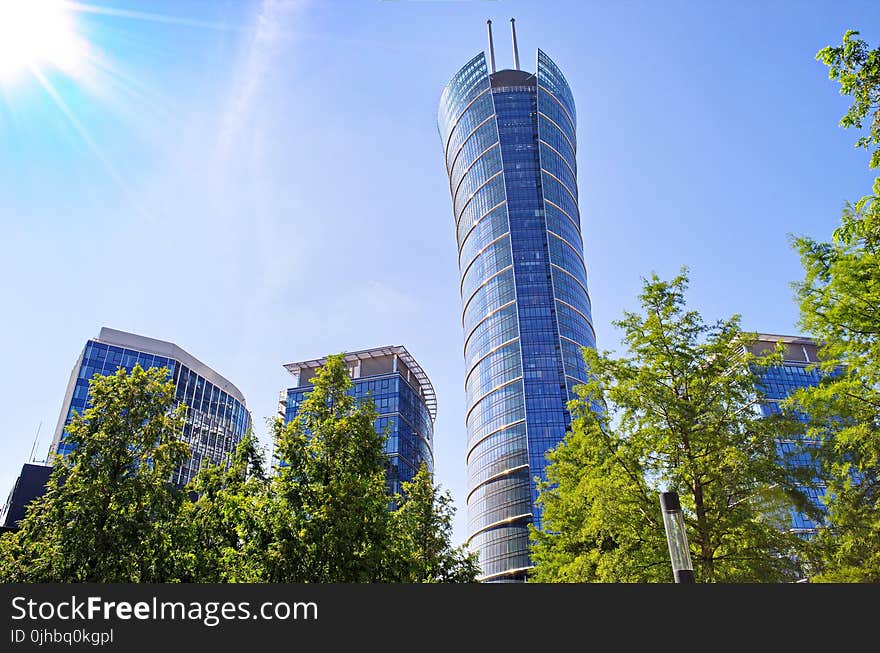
x=421 y=529
x=678 y=412
x=9 y=547
x=222 y=533
x=330 y=514
x=839 y=300
x=857 y=69
x=108 y=513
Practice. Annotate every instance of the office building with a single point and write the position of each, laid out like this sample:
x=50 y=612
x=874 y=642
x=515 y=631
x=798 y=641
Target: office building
x=402 y=394
x=216 y=416
x=776 y=384
x=30 y=484
x=510 y=144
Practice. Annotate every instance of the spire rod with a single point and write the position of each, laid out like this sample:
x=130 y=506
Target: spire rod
x=36 y=439
x=491 y=47
x=515 y=50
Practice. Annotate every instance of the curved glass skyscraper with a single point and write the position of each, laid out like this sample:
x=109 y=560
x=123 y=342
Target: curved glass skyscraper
x=509 y=142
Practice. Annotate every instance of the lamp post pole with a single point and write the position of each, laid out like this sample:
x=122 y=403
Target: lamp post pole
x=676 y=538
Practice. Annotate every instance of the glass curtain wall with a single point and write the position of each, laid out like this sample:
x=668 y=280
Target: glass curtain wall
x=510 y=153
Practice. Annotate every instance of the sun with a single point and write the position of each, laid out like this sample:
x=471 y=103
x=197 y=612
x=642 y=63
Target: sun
x=37 y=35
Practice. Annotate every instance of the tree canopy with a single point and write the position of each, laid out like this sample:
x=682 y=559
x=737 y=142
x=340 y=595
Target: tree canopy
x=108 y=512
x=678 y=413
x=111 y=514
x=839 y=299
x=222 y=532
x=330 y=515
x=422 y=535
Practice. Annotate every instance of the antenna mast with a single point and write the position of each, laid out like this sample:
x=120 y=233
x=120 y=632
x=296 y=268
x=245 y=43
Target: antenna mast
x=515 y=50
x=491 y=47
x=36 y=439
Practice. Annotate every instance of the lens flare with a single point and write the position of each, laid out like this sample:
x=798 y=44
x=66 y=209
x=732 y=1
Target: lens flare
x=39 y=34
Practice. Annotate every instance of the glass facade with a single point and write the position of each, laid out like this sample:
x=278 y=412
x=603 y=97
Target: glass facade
x=216 y=415
x=510 y=151
x=779 y=382
x=404 y=400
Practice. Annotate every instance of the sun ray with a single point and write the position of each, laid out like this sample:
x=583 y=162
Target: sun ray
x=106 y=73
x=85 y=58
x=149 y=17
x=87 y=138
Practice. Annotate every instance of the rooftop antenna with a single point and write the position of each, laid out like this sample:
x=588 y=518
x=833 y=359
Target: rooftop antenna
x=491 y=47
x=36 y=439
x=515 y=51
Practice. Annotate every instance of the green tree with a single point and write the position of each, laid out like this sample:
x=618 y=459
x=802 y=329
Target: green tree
x=678 y=413
x=108 y=512
x=839 y=300
x=222 y=534
x=330 y=517
x=857 y=69
x=421 y=528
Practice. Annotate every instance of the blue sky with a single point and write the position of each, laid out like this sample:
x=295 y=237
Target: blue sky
x=262 y=182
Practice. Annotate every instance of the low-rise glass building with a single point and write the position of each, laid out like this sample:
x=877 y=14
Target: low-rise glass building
x=30 y=484
x=402 y=394
x=217 y=417
x=776 y=384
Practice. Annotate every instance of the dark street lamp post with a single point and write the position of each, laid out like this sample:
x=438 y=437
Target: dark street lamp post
x=676 y=538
